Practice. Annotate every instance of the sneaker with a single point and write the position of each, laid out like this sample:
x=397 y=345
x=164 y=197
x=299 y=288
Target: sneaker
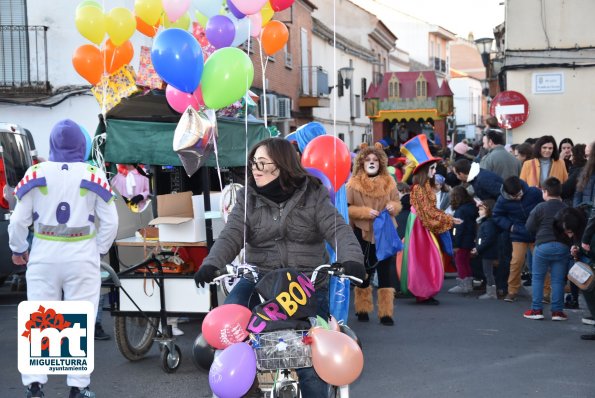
x=100 y=333
x=510 y=297
x=527 y=282
x=559 y=316
x=35 y=390
x=588 y=320
x=588 y=337
x=76 y=392
x=571 y=305
x=534 y=314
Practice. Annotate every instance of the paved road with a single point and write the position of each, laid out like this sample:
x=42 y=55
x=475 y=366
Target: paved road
x=462 y=348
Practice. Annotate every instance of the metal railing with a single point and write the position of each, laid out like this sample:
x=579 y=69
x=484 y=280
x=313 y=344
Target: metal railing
x=24 y=58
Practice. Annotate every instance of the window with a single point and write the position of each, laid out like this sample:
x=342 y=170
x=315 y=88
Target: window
x=14 y=52
x=393 y=88
x=364 y=87
x=421 y=87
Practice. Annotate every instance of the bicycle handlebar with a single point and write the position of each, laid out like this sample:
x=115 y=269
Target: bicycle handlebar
x=333 y=270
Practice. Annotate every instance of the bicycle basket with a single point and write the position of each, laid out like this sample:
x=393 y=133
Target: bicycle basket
x=281 y=349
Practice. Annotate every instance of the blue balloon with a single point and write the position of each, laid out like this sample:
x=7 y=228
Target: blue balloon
x=208 y=8
x=88 y=142
x=177 y=58
x=242 y=27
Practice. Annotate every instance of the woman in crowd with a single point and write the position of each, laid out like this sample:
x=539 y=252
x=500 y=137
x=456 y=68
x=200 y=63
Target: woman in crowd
x=546 y=163
x=565 y=150
x=585 y=187
x=524 y=152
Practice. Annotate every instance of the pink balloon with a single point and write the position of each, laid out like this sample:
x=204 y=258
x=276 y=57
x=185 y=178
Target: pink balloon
x=279 y=5
x=174 y=9
x=249 y=7
x=255 y=24
x=336 y=357
x=329 y=155
x=180 y=100
x=226 y=325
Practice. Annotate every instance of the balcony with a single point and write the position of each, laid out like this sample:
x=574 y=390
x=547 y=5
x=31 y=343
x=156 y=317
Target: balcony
x=314 y=89
x=438 y=64
x=24 y=60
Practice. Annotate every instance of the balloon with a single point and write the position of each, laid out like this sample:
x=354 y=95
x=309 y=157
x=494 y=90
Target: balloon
x=177 y=59
x=249 y=7
x=91 y=24
x=274 y=36
x=148 y=10
x=194 y=138
x=208 y=8
x=174 y=9
x=242 y=29
x=334 y=325
x=279 y=5
x=120 y=25
x=227 y=76
x=201 y=19
x=266 y=13
x=145 y=28
x=349 y=332
x=87 y=62
x=180 y=100
x=233 y=371
x=114 y=57
x=220 y=31
x=88 y=142
x=324 y=179
x=336 y=357
x=329 y=155
x=232 y=8
x=255 y=24
x=183 y=22
x=226 y=325
x=91 y=3
x=202 y=353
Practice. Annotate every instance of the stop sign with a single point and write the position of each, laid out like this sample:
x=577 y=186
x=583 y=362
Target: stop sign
x=510 y=108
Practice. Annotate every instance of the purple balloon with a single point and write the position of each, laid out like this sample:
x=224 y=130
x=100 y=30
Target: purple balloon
x=233 y=371
x=232 y=8
x=324 y=179
x=220 y=31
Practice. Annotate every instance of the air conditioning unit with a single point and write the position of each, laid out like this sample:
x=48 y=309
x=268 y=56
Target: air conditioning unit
x=284 y=108
x=271 y=105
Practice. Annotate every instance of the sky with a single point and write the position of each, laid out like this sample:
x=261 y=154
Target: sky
x=457 y=16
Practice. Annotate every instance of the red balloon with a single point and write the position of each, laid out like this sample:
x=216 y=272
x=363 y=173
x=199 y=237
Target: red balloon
x=226 y=325
x=329 y=155
x=279 y=5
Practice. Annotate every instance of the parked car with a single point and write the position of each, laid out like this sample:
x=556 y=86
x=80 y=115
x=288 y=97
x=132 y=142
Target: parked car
x=16 y=156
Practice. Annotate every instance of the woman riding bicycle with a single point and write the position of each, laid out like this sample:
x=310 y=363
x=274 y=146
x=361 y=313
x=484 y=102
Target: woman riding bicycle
x=288 y=218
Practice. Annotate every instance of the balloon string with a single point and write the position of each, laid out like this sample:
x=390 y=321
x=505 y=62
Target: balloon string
x=246 y=144
x=335 y=117
x=263 y=67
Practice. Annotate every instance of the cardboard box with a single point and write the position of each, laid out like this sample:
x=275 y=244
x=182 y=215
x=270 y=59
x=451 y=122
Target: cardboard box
x=198 y=206
x=176 y=219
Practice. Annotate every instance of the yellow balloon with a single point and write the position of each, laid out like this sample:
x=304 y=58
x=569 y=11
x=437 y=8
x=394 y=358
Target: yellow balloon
x=148 y=10
x=120 y=24
x=90 y=22
x=267 y=13
x=183 y=22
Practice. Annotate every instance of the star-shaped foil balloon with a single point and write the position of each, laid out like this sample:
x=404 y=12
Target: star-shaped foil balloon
x=194 y=138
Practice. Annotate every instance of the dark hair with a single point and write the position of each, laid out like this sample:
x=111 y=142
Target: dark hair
x=496 y=137
x=553 y=187
x=512 y=185
x=571 y=219
x=565 y=141
x=513 y=146
x=283 y=154
x=459 y=196
x=488 y=204
x=403 y=187
x=541 y=141
x=526 y=150
x=578 y=155
x=531 y=141
x=420 y=177
x=462 y=166
x=587 y=170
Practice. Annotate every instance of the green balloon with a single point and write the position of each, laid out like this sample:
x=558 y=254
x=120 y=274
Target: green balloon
x=227 y=75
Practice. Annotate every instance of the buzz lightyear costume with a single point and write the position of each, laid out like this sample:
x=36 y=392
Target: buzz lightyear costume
x=63 y=198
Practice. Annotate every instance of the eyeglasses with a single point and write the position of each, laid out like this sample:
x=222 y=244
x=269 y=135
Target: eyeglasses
x=258 y=164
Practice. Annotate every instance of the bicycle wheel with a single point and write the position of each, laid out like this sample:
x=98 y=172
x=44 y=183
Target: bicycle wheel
x=134 y=336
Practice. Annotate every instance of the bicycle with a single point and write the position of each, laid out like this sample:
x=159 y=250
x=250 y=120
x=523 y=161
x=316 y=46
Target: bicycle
x=280 y=352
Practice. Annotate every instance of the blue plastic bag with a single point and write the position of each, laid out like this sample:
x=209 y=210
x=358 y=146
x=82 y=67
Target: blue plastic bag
x=339 y=299
x=387 y=239
x=446 y=243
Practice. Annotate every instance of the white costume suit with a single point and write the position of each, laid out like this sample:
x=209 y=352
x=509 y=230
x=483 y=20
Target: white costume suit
x=63 y=200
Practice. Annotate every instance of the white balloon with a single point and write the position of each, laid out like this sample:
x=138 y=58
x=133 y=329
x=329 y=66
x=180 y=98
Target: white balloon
x=242 y=30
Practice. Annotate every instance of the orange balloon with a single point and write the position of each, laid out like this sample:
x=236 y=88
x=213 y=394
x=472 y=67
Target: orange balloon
x=336 y=357
x=116 y=57
x=147 y=29
x=87 y=61
x=274 y=36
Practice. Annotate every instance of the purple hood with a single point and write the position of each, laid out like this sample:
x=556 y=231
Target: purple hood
x=67 y=142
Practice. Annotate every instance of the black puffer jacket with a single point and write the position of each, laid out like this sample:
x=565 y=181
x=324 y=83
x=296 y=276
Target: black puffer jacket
x=464 y=234
x=487 y=239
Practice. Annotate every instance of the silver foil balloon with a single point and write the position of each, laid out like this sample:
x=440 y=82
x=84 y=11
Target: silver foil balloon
x=194 y=138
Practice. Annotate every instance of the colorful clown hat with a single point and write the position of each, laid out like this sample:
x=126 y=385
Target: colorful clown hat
x=417 y=151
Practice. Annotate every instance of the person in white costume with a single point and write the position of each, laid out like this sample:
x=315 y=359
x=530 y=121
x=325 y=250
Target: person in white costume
x=63 y=198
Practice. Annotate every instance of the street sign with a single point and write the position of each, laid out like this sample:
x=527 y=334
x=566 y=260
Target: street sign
x=510 y=108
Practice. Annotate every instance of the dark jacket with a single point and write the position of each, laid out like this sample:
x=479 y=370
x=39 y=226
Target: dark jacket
x=509 y=212
x=486 y=185
x=487 y=239
x=285 y=235
x=541 y=221
x=569 y=186
x=587 y=195
x=403 y=215
x=463 y=235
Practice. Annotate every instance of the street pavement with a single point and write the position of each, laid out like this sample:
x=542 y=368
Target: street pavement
x=462 y=348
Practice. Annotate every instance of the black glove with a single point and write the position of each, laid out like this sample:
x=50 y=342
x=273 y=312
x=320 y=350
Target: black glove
x=205 y=274
x=354 y=268
x=136 y=199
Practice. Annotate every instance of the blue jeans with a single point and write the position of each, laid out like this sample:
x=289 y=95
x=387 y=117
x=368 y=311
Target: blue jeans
x=552 y=256
x=244 y=294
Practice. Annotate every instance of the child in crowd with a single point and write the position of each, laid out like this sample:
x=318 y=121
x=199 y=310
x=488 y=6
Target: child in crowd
x=463 y=237
x=487 y=247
